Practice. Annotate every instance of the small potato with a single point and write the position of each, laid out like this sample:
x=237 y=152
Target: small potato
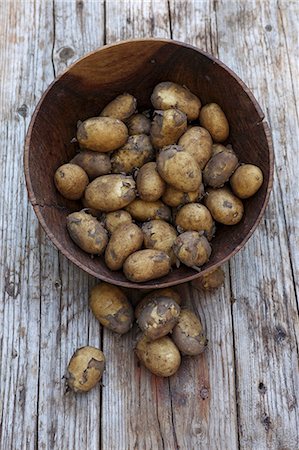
x=85 y=369
x=171 y=95
x=95 y=164
x=137 y=151
x=71 y=181
x=146 y=265
x=116 y=218
x=224 y=206
x=173 y=197
x=110 y=192
x=214 y=120
x=198 y=142
x=126 y=239
x=158 y=317
x=150 y=186
x=179 y=169
x=220 y=168
x=111 y=307
x=195 y=217
x=122 y=107
x=139 y=124
x=159 y=235
x=246 y=180
x=217 y=148
x=161 y=357
x=192 y=249
x=211 y=280
x=87 y=232
x=157 y=293
x=142 y=211
x=102 y=134
x=188 y=334
x=167 y=127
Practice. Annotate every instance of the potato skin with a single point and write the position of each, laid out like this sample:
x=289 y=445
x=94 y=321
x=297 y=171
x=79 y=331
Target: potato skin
x=217 y=148
x=95 y=164
x=211 y=280
x=167 y=127
x=159 y=235
x=145 y=265
x=116 y=218
x=126 y=239
x=139 y=124
x=157 y=293
x=224 y=206
x=220 y=168
x=137 y=151
x=87 y=232
x=110 y=192
x=111 y=307
x=122 y=107
x=192 y=249
x=246 y=180
x=195 y=217
x=102 y=134
x=173 y=197
x=171 y=95
x=150 y=185
x=213 y=119
x=198 y=142
x=71 y=181
x=161 y=357
x=179 y=169
x=142 y=211
x=188 y=334
x=85 y=369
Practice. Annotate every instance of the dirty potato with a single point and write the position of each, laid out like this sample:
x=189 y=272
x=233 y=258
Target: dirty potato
x=139 y=124
x=213 y=119
x=125 y=240
x=211 y=280
x=192 y=249
x=146 y=265
x=150 y=186
x=167 y=127
x=246 y=180
x=102 y=134
x=87 y=232
x=157 y=293
x=137 y=151
x=198 y=142
x=95 y=164
x=141 y=210
x=71 y=181
x=188 y=334
x=159 y=235
x=217 y=148
x=220 y=168
x=195 y=217
x=114 y=219
x=173 y=197
x=122 y=107
x=224 y=206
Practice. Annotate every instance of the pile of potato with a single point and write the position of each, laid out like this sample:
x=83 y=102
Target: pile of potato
x=152 y=185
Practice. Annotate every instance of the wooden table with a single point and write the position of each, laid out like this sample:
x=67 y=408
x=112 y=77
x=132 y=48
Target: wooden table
x=243 y=392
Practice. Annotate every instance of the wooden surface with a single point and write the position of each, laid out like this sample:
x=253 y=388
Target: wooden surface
x=243 y=393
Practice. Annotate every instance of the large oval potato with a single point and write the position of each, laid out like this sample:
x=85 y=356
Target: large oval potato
x=195 y=217
x=126 y=239
x=198 y=142
x=192 y=249
x=116 y=218
x=158 y=317
x=110 y=192
x=173 y=197
x=95 y=164
x=142 y=211
x=111 y=307
x=71 y=181
x=137 y=151
x=150 y=186
x=157 y=293
x=161 y=357
x=159 y=235
x=102 y=134
x=122 y=107
x=220 y=168
x=246 y=180
x=87 y=232
x=146 y=265
x=188 y=334
x=167 y=127
x=224 y=206
x=179 y=169
x=171 y=95
x=214 y=120
x=139 y=124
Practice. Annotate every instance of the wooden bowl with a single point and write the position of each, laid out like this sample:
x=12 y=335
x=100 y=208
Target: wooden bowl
x=136 y=66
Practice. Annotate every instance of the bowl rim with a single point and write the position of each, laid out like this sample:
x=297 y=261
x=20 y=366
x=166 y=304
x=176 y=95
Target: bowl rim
x=37 y=206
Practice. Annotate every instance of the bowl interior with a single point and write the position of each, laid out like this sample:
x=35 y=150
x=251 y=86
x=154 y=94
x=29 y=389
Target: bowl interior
x=136 y=67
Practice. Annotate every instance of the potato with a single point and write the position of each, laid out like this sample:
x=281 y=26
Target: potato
x=157 y=293
x=179 y=169
x=87 y=232
x=137 y=151
x=159 y=235
x=171 y=95
x=110 y=192
x=220 y=168
x=146 y=265
x=161 y=357
x=102 y=134
x=139 y=124
x=158 y=317
x=192 y=249
x=224 y=206
x=214 y=120
x=85 y=369
x=116 y=218
x=246 y=180
x=122 y=107
x=111 y=307
x=150 y=186
x=167 y=127
x=211 y=280
x=195 y=217
x=126 y=239
x=188 y=334
x=71 y=181
x=198 y=142
x=217 y=148
x=173 y=197
x=92 y=211
x=95 y=164
x=142 y=211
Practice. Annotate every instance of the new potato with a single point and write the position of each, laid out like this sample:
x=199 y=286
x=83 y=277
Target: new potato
x=198 y=142
x=213 y=119
x=125 y=240
x=122 y=107
x=220 y=168
x=159 y=235
x=116 y=218
x=224 y=206
x=173 y=197
x=188 y=334
x=150 y=186
x=95 y=164
x=192 y=249
x=139 y=124
x=137 y=151
x=146 y=265
x=141 y=210
x=195 y=217
x=71 y=181
x=102 y=134
x=167 y=127
x=246 y=180
x=157 y=293
x=87 y=232
x=211 y=280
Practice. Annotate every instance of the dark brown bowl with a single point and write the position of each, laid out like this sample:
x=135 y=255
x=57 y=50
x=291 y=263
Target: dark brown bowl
x=136 y=66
